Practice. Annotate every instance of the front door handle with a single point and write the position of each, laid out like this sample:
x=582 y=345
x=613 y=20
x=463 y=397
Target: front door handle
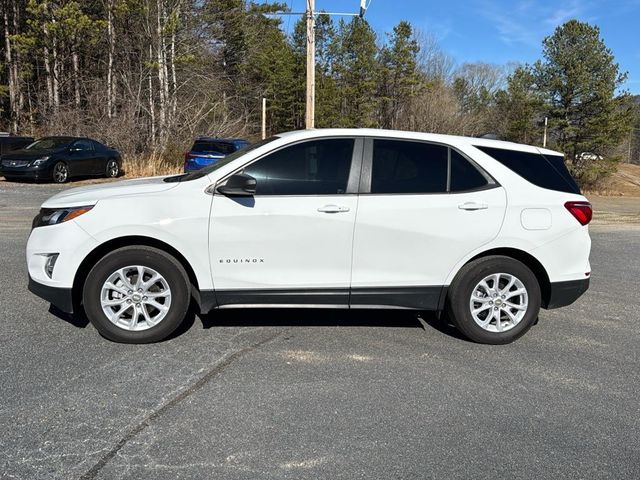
x=473 y=206
x=333 y=209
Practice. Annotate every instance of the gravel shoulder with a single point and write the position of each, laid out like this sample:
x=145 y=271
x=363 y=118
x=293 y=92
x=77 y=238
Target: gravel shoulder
x=615 y=211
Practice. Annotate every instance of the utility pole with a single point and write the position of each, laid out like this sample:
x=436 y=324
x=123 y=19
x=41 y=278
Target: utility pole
x=310 y=15
x=632 y=143
x=311 y=65
x=264 y=118
x=544 y=138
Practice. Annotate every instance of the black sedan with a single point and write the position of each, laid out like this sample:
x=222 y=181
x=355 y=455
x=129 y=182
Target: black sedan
x=60 y=158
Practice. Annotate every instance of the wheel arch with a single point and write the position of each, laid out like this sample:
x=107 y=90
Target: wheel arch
x=530 y=261
x=127 y=241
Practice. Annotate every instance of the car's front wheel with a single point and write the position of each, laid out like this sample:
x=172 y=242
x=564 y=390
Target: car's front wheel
x=494 y=300
x=60 y=172
x=136 y=295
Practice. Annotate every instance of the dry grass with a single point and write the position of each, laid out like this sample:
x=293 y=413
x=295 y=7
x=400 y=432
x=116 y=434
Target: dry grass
x=623 y=183
x=150 y=166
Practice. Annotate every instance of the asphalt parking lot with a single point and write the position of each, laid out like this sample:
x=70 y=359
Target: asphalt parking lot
x=321 y=394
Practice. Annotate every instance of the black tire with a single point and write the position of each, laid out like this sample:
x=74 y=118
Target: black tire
x=158 y=260
x=462 y=288
x=112 y=169
x=60 y=173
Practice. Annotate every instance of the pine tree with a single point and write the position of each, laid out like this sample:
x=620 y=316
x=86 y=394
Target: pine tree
x=269 y=67
x=580 y=79
x=517 y=115
x=399 y=78
x=356 y=72
x=257 y=60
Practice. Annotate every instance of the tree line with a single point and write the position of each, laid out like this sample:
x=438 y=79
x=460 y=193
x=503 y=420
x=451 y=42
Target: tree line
x=146 y=76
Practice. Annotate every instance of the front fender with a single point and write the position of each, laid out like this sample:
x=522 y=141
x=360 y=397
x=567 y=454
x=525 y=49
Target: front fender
x=181 y=222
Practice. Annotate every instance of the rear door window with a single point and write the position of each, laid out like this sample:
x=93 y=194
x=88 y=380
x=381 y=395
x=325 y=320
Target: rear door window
x=464 y=175
x=83 y=145
x=546 y=171
x=400 y=166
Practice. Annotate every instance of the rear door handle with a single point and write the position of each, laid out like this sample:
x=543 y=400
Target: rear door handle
x=333 y=209
x=473 y=206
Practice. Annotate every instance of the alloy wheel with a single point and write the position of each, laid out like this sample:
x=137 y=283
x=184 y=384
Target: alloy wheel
x=60 y=173
x=112 y=169
x=499 y=302
x=135 y=298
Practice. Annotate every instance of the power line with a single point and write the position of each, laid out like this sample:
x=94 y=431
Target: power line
x=289 y=19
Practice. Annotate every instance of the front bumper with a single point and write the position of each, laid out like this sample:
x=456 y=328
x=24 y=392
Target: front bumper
x=69 y=241
x=61 y=298
x=35 y=173
x=562 y=294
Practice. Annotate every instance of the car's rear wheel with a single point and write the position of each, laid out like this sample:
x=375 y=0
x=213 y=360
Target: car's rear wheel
x=494 y=300
x=136 y=295
x=113 y=169
x=60 y=172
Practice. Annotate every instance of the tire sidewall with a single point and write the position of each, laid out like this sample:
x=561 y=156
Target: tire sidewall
x=470 y=276
x=161 y=262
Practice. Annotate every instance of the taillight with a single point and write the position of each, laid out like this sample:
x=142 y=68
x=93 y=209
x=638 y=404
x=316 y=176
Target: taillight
x=581 y=211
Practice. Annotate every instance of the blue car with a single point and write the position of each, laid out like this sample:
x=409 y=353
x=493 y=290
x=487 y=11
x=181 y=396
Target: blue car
x=208 y=150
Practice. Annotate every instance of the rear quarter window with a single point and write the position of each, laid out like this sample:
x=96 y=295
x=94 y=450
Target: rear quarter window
x=546 y=171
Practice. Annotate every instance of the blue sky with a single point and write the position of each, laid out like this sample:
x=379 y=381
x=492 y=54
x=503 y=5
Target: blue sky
x=501 y=31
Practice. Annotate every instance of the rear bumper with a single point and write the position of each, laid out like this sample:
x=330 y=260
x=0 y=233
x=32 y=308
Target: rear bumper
x=59 y=297
x=562 y=294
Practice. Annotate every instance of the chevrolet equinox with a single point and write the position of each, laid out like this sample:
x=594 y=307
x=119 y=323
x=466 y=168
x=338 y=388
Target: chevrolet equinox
x=488 y=231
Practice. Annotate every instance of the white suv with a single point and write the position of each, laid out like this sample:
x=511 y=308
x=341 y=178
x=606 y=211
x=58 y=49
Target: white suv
x=488 y=231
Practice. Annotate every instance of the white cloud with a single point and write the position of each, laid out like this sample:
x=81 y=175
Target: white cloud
x=569 y=10
x=527 y=22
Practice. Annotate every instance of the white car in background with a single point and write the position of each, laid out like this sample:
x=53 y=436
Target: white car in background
x=489 y=231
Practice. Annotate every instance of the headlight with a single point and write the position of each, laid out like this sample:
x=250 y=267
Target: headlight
x=53 y=216
x=39 y=161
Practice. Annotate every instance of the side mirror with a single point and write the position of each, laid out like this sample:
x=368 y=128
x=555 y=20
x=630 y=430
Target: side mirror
x=238 y=185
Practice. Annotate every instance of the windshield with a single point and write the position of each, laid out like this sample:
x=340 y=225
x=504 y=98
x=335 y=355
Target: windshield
x=49 y=143
x=228 y=159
